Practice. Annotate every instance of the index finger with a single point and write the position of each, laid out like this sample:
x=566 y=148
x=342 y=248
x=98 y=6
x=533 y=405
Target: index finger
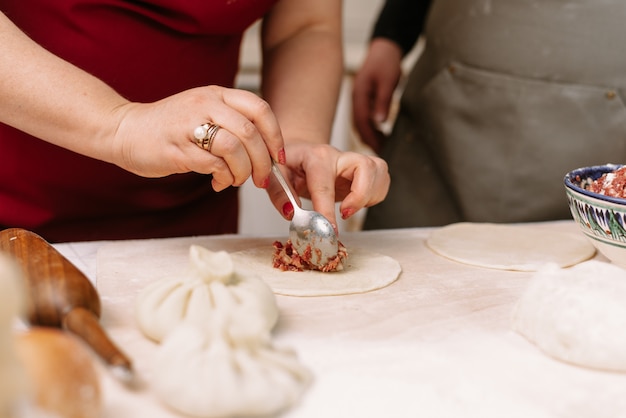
x=259 y=112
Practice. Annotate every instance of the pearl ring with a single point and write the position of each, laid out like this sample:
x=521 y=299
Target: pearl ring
x=205 y=134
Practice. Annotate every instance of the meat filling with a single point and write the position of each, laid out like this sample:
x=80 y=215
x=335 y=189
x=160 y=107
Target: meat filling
x=611 y=184
x=286 y=258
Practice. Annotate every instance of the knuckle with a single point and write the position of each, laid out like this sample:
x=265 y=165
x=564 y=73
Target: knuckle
x=194 y=97
x=381 y=164
x=228 y=145
x=214 y=89
x=262 y=107
x=248 y=130
x=240 y=180
x=322 y=152
x=241 y=175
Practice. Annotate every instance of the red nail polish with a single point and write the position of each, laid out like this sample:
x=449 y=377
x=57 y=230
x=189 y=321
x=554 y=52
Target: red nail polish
x=266 y=183
x=288 y=210
x=282 y=159
x=346 y=213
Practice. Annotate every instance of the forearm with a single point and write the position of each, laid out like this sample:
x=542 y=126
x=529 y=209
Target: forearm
x=402 y=21
x=302 y=76
x=53 y=100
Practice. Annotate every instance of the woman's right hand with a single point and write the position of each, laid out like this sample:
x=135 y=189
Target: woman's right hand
x=374 y=85
x=157 y=139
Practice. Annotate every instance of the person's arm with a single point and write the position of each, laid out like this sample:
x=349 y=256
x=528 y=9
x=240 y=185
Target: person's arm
x=402 y=22
x=395 y=33
x=52 y=99
x=49 y=98
x=303 y=66
x=303 y=69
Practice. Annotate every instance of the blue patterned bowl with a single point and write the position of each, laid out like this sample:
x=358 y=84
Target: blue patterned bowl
x=601 y=218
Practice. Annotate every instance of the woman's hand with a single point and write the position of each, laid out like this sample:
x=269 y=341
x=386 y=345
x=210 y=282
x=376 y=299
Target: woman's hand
x=69 y=107
x=374 y=85
x=326 y=175
x=156 y=139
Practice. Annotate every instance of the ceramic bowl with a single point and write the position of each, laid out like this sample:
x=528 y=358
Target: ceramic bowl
x=601 y=218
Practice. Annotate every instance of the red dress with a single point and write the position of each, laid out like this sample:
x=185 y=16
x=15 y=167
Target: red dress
x=145 y=50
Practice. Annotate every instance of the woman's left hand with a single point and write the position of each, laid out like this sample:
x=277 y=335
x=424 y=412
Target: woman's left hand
x=327 y=175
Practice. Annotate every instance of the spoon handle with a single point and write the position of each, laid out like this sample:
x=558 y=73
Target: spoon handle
x=285 y=186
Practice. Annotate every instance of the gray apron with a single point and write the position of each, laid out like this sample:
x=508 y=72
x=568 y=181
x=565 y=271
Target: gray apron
x=507 y=97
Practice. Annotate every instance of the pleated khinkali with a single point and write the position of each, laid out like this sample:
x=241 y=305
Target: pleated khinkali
x=226 y=368
x=211 y=284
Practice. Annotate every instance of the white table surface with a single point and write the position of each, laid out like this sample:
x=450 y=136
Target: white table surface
x=436 y=343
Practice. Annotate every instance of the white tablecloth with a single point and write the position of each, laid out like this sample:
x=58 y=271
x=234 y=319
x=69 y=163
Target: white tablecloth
x=436 y=343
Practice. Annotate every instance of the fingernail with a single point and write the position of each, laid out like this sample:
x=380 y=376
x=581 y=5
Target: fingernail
x=265 y=183
x=288 y=210
x=282 y=159
x=346 y=213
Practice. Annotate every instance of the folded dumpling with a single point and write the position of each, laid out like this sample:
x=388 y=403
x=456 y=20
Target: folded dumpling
x=228 y=367
x=211 y=284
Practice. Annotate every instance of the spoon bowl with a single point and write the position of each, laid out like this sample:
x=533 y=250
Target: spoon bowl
x=311 y=234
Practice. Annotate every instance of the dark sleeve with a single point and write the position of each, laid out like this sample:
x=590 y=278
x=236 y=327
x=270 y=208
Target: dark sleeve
x=402 y=21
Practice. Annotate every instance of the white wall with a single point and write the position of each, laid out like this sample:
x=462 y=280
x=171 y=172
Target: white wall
x=257 y=215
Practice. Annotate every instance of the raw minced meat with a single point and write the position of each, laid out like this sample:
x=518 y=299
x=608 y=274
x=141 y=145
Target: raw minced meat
x=611 y=184
x=287 y=258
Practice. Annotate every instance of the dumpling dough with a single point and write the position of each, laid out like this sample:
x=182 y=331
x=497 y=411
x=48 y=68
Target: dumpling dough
x=211 y=371
x=508 y=247
x=210 y=285
x=577 y=315
x=363 y=271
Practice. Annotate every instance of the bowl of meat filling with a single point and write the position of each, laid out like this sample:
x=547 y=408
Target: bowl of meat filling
x=597 y=199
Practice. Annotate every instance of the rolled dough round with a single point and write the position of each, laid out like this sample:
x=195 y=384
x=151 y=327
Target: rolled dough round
x=363 y=272
x=509 y=247
x=577 y=315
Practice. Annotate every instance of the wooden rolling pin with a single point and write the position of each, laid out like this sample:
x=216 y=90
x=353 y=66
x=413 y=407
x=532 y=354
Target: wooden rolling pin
x=60 y=295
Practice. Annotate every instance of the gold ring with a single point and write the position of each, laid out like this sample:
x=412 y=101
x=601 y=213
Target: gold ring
x=205 y=134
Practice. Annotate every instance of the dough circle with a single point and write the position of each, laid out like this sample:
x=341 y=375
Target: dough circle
x=364 y=272
x=509 y=247
x=577 y=315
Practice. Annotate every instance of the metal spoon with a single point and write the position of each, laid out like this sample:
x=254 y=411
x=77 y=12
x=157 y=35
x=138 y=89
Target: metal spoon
x=309 y=229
